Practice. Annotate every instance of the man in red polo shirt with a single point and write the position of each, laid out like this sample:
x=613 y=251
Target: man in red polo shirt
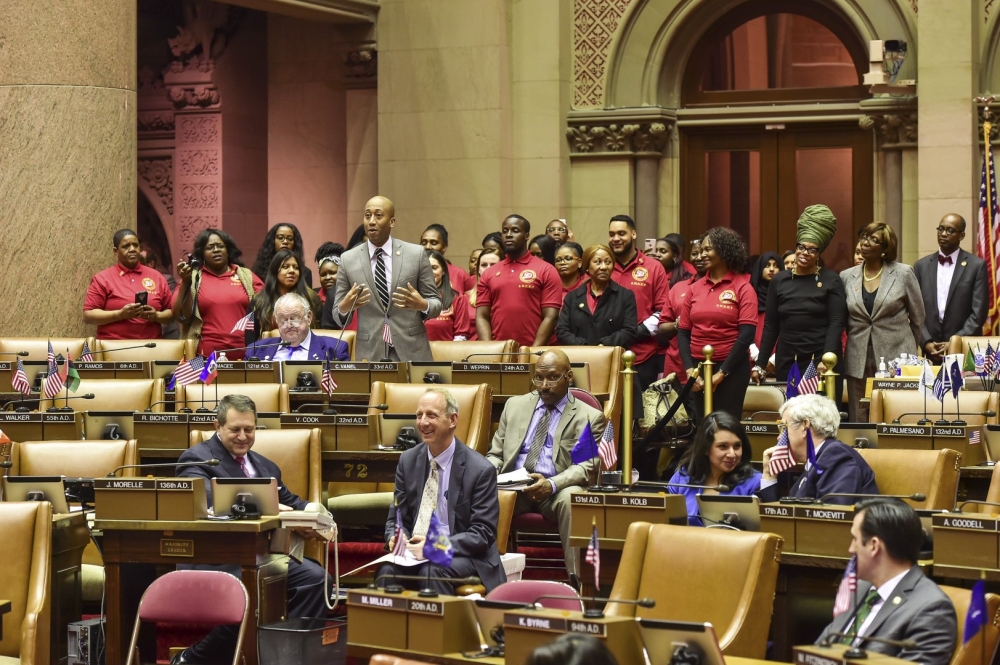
x=518 y=298
x=114 y=295
x=647 y=279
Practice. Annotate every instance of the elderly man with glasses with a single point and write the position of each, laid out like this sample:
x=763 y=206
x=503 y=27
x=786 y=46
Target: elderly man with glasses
x=294 y=319
x=537 y=432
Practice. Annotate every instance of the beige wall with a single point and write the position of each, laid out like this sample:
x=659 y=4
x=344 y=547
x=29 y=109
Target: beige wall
x=362 y=153
x=602 y=188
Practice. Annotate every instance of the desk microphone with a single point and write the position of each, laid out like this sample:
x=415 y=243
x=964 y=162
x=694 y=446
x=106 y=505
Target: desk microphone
x=13 y=353
x=425 y=593
x=149 y=409
x=959 y=507
x=756 y=413
x=343 y=405
x=253 y=358
x=513 y=353
x=147 y=345
x=986 y=414
x=912 y=497
x=642 y=484
x=211 y=462
x=857 y=653
x=595 y=613
x=24 y=409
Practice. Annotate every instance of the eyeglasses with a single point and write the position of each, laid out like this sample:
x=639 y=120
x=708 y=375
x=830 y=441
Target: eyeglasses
x=869 y=240
x=290 y=323
x=566 y=259
x=542 y=381
x=947 y=231
x=281 y=238
x=214 y=246
x=811 y=251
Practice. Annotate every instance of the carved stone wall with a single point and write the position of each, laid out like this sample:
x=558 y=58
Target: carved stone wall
x=594 y=25
x=198 y=179
x=598 y=138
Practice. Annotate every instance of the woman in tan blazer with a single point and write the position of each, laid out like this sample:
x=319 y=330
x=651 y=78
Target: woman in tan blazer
x=885 y=311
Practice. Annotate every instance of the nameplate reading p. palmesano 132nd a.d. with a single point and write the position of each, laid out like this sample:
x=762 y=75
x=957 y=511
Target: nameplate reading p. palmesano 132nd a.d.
x=376 y=600
x=903 y=430
x=954 y=431
x=964 y=521
x=829 y=514
x=631 y=501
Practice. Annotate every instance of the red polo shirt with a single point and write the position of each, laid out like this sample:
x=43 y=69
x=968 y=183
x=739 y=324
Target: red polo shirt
x=678 y=296
x=714 y=312
x=114 y=287
x=516 y=290
x=450 y=322
x=460 y=280
x=222 y=301
x=646 y=278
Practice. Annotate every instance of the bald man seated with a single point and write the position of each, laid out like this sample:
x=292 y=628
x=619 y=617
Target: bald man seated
x=537 y=432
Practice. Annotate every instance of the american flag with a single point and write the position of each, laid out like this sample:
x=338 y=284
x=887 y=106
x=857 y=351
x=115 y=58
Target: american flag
x=810 y=380
x=607 y=449
x=781 y=458
x=594 y=557
x=209 y=371
x=989 y=359
x=19 y=380
x=941 y=382
x=327 y=383
x=988 y=232
x=54 y=379
x=975 y=437
x=188 y=371
x=86 y=356
x=848 y=585
x=399 y=548
x=246 y=323
x=386 y=333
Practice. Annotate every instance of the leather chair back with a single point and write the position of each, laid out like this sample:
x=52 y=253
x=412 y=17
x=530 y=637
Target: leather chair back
x=931 y=472
x=38 y=347
x=165 y=349
x=763 y=398
x=474 y=407
x=348 y=337
x=458 y=351
x=972 y=653
x=888 y=405
x=993 y=494
x=962 y=344
x=115 y=395
x=724 y=577
x=508 y=500
x=26 y=534
x=269 y=397
x=82 y=459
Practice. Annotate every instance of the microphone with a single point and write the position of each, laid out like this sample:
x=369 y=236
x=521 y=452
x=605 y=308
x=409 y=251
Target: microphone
x=426 y=592
x=211 y=462
x=756 y=413
x=474 y=355
x=253 y=346
x=380 y=407
x=149 y=409
x=148 y=345
x=959 y=508
x=13 y=353
x=912 y=497
x=857 y=652
x=986 y=414
x=23 y=409
x=722 y=489
x=595 y=613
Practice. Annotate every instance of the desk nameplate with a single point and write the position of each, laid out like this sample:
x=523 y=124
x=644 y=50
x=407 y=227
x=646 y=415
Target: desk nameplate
x=951 y=431
x=176 y=547
x=903 y=430
x=381 y=601
x=966 y=540
x=548 y=624
x=636 y=501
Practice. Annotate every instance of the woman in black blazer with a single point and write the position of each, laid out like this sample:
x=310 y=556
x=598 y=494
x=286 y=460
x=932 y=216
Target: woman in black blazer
x=598 y=313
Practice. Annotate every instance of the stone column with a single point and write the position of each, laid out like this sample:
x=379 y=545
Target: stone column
x=647 y=201
x=67 y=155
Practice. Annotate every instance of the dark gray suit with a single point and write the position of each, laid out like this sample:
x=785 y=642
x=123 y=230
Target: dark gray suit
x=968 y=297
x=917 y=610
x=473 y=512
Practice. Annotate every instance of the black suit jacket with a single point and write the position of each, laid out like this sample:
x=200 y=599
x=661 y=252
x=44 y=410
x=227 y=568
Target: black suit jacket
x=473 y=506
x=613 y=324
x=230 y=468
x=839 y=468
x=968 y=298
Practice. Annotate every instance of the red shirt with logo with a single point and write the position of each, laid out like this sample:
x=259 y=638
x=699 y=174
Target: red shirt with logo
x=114 y=287
x=646 y=278
x=714 y=312
x=678 y=296
x=461 y=281
x=450 y=322
x=516 y=290
x=222 y=301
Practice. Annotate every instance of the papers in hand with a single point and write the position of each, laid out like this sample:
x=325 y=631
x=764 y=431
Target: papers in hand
x=407 y=560
x=514 y=480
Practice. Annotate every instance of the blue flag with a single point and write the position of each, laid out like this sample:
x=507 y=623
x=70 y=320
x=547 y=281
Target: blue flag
x=811 y=451
x=794 y=379
x=940 y=387
x=437 y=547
x=956 y=379
x=975 y=619
x=585 y=448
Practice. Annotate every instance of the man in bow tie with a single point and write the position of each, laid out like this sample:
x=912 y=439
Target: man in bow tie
x=294 y=318
x=954 y=287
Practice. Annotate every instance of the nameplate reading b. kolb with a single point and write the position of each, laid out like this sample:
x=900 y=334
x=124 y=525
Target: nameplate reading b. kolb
x=629 y=501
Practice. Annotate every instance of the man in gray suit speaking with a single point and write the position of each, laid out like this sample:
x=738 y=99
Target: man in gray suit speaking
x=894 y=601
x=389 y=286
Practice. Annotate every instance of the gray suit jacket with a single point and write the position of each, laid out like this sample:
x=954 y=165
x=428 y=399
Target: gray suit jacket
x=917 y=610
x=409 y=336
x=895 y=322
x=514 y=423
x=968 y=298
x=473 y=507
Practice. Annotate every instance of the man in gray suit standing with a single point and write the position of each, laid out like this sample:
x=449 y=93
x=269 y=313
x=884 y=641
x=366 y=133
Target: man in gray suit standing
x=953 y=284
x=894 y=600
x=389 y=286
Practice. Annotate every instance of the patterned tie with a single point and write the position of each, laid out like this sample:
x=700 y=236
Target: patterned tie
x=538 y=440
x=428 y=502
x=381 y=282
x=243 y=465
x=864 y=610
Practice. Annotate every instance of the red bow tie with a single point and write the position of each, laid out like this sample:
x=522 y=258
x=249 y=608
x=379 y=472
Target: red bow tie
x=944 y=260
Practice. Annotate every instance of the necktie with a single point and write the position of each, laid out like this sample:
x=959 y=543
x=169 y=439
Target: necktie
x=944 y=260
x=243 y=465
x=864 y=610
x=381 y=282
x=538 y=440
x=428 y=501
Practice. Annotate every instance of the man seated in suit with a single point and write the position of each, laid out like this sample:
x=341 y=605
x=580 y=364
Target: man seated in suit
x=537 y=432
x=894 y=600
x=236 y=426
x=444 y=476
x=838 y=468
x=294 y=318
x=954 y=288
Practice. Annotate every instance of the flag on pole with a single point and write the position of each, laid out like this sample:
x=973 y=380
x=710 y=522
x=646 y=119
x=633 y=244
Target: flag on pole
x=794 y=379
x=989 y=359
x=970 y=361
x=386 y=333
x=987 y=231
x=975 y=618
x=607 y=448
x=926 y=384
x=19 y=380
x=585 y=448
x=246 y=323
x=848 y=585
x=940 y=387
x=809 y=384
x=781 y=458
x=209 y=371
x=86 y=356
x=327 y=383
x=53 y=378
x=956 y=378
x=593 y=557
x=399 y=546
x=437 y=546
x=188 y=371
x=72 y=378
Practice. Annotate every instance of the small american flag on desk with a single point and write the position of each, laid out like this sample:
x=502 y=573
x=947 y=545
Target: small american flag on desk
x=975 y=437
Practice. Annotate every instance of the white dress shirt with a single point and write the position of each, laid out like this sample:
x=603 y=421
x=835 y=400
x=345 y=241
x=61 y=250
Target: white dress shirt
x=944 y=275
x=250 y=470
x=301 y=351
x=884 y=593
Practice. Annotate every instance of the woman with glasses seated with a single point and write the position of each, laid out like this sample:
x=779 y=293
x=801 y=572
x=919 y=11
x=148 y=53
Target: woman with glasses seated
x=719 y=455
x=284 y=275
x=885 y=312
x=805 y=309
x=837 y=468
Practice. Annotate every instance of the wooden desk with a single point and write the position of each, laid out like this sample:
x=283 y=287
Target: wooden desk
x=131 y=543
x=365 y=652
x=4 y=609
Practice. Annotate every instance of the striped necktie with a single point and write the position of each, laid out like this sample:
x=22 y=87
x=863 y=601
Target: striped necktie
x=864 y=609
x=381 y=282
x=538 y=440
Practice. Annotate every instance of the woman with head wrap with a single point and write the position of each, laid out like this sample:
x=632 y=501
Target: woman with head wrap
x=765 y=268
x=806 y=306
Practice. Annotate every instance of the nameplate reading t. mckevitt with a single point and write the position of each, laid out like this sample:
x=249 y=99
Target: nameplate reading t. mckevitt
x=828 y=514
x=635 y=501
x=964 y=521
x=903 y=430
x=376 y=600
x=174 y=547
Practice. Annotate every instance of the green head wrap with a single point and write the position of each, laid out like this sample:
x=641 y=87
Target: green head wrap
x=816 y=224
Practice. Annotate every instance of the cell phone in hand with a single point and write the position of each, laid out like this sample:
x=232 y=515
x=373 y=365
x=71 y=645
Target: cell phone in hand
x=650 y=244
x=142 y=298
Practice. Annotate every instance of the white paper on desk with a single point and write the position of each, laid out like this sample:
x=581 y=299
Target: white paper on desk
x=514 y=480
x=406 y=560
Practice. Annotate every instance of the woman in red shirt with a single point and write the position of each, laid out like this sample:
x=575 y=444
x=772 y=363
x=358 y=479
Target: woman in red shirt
x=721 y=311
x=487 y=257
x=569 y=265
x=452 y=324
